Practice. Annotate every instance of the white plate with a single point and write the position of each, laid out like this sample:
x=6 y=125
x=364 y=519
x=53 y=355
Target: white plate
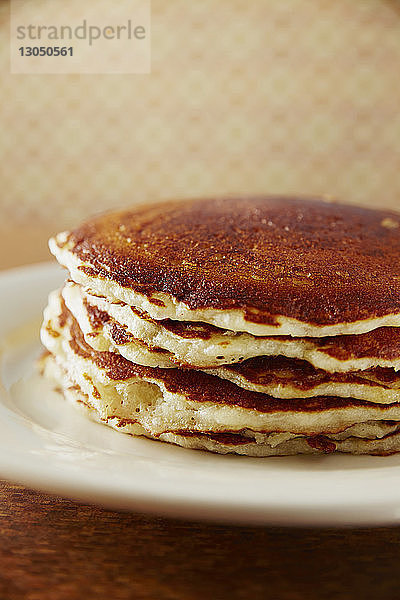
x=46 y=444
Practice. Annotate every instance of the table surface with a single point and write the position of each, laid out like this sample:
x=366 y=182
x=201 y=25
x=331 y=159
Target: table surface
x=55 y=549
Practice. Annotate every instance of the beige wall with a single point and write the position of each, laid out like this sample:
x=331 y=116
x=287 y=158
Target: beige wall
x=249 y=96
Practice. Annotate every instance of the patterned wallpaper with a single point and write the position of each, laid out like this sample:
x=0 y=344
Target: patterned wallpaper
x=299 y=96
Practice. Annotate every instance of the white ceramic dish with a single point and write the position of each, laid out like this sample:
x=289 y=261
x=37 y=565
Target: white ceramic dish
x=47 y=445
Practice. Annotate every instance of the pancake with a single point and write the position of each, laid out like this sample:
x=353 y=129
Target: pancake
x=260 y=326
x=115 y=326
x=265 y=266
x=174 y=402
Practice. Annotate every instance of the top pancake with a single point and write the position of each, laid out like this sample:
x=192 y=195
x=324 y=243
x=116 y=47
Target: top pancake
x=266 y=265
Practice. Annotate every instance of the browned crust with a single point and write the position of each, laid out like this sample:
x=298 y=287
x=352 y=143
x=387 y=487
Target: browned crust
x=64 y=315
x=383 y=343
x=321 y=443
x=97 y=318
x=119 y=333
x=318 y=262
x=268 y=370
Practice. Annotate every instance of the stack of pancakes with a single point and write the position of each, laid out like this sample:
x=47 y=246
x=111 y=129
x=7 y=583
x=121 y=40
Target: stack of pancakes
x=261 y=326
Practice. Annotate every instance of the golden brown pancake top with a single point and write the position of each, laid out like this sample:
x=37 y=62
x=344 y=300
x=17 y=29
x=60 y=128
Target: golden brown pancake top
x=321 y=263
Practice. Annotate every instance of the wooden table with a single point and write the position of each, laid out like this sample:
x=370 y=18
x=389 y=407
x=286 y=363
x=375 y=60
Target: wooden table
x=56 y=549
